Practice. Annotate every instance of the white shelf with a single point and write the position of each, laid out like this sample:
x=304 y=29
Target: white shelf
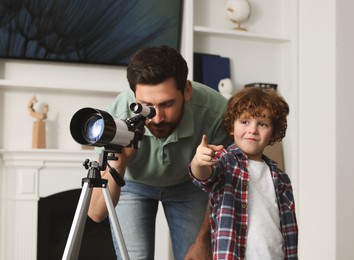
x=30 y=85
x=45 y=154
x=241 y=35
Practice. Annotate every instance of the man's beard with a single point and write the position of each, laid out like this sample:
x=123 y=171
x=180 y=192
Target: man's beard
x=164 y=129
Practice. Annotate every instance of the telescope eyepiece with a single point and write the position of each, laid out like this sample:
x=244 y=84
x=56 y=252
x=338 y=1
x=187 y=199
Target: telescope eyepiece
x=146 y=111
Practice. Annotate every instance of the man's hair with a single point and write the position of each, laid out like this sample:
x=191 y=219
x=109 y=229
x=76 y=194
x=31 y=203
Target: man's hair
x=153 y=65
x=253 y=101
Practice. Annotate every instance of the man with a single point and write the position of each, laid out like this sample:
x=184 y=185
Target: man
x=159 y=170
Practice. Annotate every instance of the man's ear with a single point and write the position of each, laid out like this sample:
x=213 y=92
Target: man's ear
x=188 y=91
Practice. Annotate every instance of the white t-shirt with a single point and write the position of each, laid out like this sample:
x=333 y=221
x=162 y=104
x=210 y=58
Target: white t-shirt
x=264 y=238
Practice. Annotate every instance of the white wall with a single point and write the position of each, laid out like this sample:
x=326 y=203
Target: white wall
x=17 y=132
x=326 y=182
x=317 y=119
x=345 y=129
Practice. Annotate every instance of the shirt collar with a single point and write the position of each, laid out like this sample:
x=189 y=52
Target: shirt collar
x=237 y=152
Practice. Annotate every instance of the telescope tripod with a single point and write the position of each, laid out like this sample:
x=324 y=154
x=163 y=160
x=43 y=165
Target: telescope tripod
x=94 y=180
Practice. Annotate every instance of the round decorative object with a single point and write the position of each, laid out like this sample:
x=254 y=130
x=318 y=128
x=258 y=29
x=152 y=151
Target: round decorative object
x=225 y=87
x=238 y=11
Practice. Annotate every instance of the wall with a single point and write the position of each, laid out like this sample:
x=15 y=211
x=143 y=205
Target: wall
x=317 y=118
x=17 y=133
x=326 y=182
x=344 y=129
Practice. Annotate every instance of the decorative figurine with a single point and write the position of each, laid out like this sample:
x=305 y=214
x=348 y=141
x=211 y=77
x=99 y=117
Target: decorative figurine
x=238 y=11
x=39 y=137
x=225 y=87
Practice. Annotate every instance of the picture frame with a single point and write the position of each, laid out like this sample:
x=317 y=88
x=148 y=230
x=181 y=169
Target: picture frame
x=87 y=31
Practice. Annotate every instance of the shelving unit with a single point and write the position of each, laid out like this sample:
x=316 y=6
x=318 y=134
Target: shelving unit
x=259 y=54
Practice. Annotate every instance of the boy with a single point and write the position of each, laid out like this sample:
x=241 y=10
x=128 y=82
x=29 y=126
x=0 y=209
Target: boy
x=252 y=211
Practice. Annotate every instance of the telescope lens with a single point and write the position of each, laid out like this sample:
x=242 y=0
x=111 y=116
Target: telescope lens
x=94 y=128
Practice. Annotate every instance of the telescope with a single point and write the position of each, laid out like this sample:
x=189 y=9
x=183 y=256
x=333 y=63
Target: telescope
x=95 y=127
x=91 y=126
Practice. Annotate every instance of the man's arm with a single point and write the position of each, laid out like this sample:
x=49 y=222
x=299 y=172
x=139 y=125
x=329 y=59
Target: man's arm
x=201 y=248
x=98 y=209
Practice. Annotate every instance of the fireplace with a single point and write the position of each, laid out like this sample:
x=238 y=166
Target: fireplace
x=55 y=215
x=37 y=186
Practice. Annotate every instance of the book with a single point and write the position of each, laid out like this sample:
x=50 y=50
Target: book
x=209 y=69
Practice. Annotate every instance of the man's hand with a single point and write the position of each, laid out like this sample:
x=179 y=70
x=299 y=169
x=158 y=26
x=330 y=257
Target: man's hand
x=123 y=158
x=199 y=251
x=98 y=209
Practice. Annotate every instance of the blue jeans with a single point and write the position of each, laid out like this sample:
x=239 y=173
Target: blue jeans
x=184 y=207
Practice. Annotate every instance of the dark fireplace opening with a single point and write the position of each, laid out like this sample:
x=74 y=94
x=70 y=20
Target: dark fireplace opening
x=55 y=216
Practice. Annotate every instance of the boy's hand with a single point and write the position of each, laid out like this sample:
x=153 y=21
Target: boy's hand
x=206 y=152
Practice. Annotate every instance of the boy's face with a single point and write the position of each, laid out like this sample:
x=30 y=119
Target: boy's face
x=252 y=134
x=168 y=102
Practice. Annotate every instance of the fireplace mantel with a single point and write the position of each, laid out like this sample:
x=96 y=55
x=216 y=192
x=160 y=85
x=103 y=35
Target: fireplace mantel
x=27 y=176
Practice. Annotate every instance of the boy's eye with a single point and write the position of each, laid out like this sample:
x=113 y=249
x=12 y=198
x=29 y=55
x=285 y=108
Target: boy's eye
x=265 y=124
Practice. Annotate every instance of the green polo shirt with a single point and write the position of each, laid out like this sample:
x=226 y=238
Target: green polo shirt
x=164 y=162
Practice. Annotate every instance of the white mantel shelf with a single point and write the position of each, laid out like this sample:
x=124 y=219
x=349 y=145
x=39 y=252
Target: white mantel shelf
x=61 y=87
x=47 y=156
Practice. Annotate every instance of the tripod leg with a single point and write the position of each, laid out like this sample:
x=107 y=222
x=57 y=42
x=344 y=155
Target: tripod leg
x=73 y=243
x=115 y=223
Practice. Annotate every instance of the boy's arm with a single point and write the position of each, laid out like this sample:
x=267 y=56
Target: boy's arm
x=200 y=168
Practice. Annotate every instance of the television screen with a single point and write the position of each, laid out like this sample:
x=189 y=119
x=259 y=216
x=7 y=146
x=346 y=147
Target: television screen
x=87 y=31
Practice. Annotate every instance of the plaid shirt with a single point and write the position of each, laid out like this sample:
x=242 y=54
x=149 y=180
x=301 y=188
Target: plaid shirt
x=228 y=187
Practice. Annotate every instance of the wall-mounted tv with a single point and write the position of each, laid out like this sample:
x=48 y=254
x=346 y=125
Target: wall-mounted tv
x=87 y=31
